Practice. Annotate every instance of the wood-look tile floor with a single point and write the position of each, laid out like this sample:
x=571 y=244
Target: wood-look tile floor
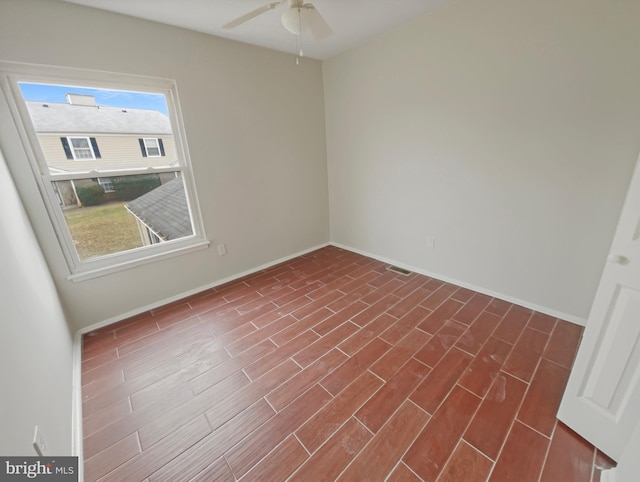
x=330 y=367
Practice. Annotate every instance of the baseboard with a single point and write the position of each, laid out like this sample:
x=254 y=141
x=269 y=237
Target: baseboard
x=76 y=405
x=186 y=294
x=510 y=299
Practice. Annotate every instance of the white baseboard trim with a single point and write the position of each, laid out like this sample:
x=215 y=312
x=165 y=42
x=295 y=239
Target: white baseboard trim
x=510 y=299
x=171 y=299
x=76 y=404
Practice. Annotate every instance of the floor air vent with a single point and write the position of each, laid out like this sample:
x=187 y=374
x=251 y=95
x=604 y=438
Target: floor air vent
x=398 y=270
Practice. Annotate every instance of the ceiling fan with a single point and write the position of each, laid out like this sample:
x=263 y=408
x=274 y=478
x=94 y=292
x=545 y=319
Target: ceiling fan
x=297 y=18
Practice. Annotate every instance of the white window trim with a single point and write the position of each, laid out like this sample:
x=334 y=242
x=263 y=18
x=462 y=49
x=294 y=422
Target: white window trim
x=73 y=149
x=146 y=149
x=102 y=182
x=11 y=73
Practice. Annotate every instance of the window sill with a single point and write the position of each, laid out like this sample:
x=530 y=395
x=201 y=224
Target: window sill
x=92 y=273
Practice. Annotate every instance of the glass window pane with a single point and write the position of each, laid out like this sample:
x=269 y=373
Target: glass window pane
x=67 y=125
x=139 y=211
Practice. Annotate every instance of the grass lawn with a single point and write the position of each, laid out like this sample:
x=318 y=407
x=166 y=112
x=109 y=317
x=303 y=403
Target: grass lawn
x=100 y=230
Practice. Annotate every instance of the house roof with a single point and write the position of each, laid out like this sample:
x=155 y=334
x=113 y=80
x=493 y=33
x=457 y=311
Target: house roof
x=164 y=210
x=92 y=119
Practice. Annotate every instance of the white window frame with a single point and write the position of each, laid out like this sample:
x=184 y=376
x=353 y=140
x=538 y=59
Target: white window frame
x=11 y=74
x=146 y=149
x=73 y=149
x=104 y=182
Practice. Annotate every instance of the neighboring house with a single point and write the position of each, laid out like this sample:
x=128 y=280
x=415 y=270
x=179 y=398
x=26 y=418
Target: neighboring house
x=80 y=136
x=162 y=214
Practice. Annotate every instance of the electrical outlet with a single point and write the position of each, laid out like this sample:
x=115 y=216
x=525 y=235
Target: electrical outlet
x=39 y=443
x=431 y=242
x=222 y=249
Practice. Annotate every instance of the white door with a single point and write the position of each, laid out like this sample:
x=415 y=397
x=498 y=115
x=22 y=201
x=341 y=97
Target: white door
x=602 y=399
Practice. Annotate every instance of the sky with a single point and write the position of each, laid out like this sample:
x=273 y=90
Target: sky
x=113 y=98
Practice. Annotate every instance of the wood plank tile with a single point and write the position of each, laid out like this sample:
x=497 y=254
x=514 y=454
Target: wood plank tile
x=325 y=344
x=344 y=375
x=481 y=372
x=402 y=473
x=397 y=356
x=250 y=451
x=218 y=373
x=439 y=345
x=364 y=317
x=563 y=343
x=260 y=335
x=198 y=371
x=280 y=354
x=570 y=457
x=542 y=322
x=436 y=320
x=301 y=326
x=151 y=459
x=498 y=307
x=436 y=443
x=414 y=282
x=382 y=453
x=110 y=458
x=324 y=423
x=512 y=324
x=227 y=407
x=151 y=429
x=478 y=333
x=367 y=333
x=542 y=400
x=291 y=389
x=439 y=296
x=491 y=424
x=463 y=295
x=161 y=417
x=522 y=456
x=338 y=318
x=280 y=463
x=405 y=324
x=380 y=292
x=472 y=308
x=436 y=386
x=218 y=471
x=354 y=292
x=409 y=303
x=196 y=458
x=328 y=462
x=102 y=418
x=315 y=305
x=466 y=464
x=393 y=393
x=526 y=353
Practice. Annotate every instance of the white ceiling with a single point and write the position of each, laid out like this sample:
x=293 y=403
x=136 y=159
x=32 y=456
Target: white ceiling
x=352 y=21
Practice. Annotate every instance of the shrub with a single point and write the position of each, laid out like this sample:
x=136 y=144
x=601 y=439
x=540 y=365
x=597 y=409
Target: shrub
x=131 y=187
x=90 y=194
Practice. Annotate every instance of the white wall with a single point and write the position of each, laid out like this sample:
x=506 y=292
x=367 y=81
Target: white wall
x=35 y=341
x=508 y=130
x=255 y=130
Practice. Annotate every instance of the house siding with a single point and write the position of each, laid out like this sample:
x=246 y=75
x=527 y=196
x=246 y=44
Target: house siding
x=116 y=151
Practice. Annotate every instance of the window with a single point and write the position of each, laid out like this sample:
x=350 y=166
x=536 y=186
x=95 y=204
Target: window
x=118 y=210
x=107 y=184
x=80 y=147
x=152 y=147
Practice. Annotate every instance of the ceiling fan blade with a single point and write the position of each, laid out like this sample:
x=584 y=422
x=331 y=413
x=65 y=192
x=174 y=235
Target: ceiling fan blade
x=318 y=25
x=252 y=14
